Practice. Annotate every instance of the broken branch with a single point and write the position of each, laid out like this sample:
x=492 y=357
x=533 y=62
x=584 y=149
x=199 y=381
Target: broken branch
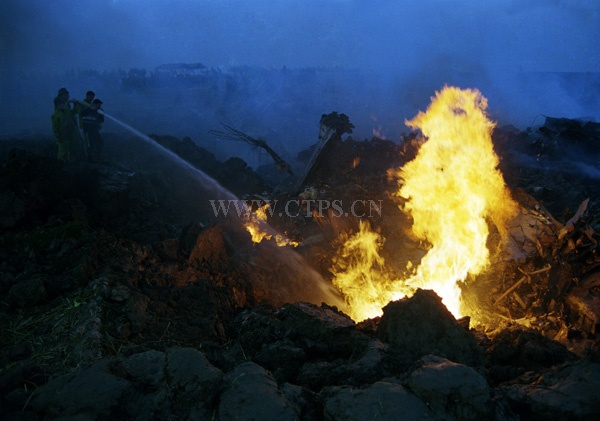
x=511 y=289
x=526 y=276
x=570 y=225
x=536 y=272
x=233 y=134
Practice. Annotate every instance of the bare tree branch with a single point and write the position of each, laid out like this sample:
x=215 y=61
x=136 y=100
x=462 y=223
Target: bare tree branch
x=236 y=135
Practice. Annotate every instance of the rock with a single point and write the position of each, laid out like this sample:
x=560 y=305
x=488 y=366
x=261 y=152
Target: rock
x=373 y=356
x=368 y=367
x=180 y=383
x=516 y=350
x=422 y=325
x=150 y=397
x=321 y=330
x=314 y=347
x=282 y=358
x=316 y=375
x=383 y=401
x=251 y=393
x=147 y=368
x=452 y=390
x=193 y=381
x=316 y=330
x=362 y=369
x=303 y=401
x=566 y=392
x=93 y=392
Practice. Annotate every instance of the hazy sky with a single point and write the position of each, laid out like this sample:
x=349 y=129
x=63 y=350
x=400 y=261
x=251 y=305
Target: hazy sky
x=399 y=35
x=393 y=55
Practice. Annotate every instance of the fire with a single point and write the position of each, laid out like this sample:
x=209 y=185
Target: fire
x=452 y=189
x=359 y=275
x=255 y=224
x=261 y=213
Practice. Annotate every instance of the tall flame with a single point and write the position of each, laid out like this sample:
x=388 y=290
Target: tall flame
x=452 y=189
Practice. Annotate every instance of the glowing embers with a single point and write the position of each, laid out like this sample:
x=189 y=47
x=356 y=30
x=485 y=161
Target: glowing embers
x=452 y=189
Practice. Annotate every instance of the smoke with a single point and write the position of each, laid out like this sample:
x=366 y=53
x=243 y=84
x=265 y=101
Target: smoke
x=589 y=170
x=378 y=62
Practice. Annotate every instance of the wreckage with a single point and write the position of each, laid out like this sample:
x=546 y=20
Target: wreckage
x=128 y=297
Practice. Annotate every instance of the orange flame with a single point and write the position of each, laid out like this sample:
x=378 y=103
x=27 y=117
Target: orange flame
x=359 y=274
x=452 y=189
x=261 y=213
x=255 y=224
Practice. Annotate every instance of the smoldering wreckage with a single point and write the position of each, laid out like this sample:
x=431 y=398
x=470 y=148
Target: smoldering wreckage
x=471 y=294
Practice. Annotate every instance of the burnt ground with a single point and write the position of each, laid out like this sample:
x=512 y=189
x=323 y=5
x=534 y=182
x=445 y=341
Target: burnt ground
x=124 y=297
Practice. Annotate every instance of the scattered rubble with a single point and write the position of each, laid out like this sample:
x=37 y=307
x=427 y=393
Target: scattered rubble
x=125 y=297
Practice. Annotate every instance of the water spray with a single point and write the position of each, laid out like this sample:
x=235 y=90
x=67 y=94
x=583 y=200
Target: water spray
x=303 y=283
x=207 y=182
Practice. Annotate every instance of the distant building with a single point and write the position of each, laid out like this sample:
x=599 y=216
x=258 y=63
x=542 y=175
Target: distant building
x=182 y=69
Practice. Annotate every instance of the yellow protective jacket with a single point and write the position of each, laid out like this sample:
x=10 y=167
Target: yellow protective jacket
x=66 y=132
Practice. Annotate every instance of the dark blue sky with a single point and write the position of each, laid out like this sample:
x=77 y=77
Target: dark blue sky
x=398 y=35
x=393 y=56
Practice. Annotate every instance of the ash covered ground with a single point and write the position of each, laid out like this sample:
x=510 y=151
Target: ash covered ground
x=125 y=297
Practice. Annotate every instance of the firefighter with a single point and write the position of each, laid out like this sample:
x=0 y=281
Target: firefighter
x=82 y=105
x=79 y=107
x=64 y=126
x=89 y=98
x=92 y=119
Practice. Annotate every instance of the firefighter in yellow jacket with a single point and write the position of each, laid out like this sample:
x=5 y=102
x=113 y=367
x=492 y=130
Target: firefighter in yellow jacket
x=64 y=126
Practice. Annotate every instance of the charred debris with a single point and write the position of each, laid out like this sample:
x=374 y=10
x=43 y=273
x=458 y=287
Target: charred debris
x=124 y=296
